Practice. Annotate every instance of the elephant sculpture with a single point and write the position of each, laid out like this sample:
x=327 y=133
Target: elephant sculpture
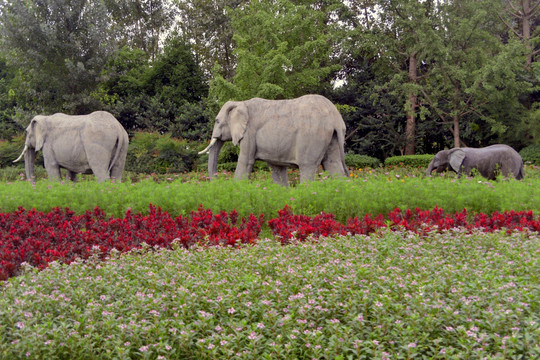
x=488 y=161
x=83 y=144
x=302 y=133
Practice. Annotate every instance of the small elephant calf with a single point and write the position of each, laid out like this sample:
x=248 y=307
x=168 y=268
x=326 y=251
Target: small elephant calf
x=487 y=161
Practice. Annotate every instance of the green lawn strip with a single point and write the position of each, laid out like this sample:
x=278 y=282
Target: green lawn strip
x=345 y=198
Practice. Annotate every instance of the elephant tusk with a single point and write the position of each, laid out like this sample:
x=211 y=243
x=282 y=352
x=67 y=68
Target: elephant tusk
x=208 y=147
x=22 y=154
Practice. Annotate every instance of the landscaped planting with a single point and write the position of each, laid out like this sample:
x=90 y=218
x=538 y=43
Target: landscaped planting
x=349 y=271
x=37 y=238
x=367 y=191
x=390 y=295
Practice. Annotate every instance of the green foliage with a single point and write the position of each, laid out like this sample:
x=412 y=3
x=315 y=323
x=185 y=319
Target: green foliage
x=60 y=47
x=531 y=154
x=282 y=48
x=10 y=150
x=432 y=296
x=409 y=160
x=175 y=75
x=165 y=95
x=375 y=191
x=155 y=153
x=361 y=161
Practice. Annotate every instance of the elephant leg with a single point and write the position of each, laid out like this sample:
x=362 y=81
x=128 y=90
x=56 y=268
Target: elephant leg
x=117 y=169
x=116 y=173
x=332 y=159
x=279 y=174
x=308 y=172
x=243 y=170
x=246 y=160
x=98 y=163
x=52 y=167
x=333 y=166
x=71 y=176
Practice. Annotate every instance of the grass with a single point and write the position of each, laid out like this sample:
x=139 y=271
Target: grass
x=389 y=295
x=365 y=192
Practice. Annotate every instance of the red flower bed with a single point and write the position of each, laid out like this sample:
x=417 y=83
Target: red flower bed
x=38 y=238
x=287 y=225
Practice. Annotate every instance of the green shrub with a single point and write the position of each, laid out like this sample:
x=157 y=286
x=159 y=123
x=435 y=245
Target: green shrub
x=231 y=166
x=155 y=153
x=409 y=160
x=228 y=153
x=358 y=161
x=10 y=150
x=531 y=154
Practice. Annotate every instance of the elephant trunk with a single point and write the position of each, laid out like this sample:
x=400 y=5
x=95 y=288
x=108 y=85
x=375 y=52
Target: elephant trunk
x=429 y=169
x=29 y=159
x=213 y=157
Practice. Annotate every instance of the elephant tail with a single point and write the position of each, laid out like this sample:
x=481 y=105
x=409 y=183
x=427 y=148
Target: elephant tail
x=341 y=144
x=122 y=143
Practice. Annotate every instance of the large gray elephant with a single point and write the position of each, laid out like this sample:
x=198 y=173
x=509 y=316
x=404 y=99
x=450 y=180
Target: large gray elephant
x=488 y=161
x=303 y=133
x=83 y=144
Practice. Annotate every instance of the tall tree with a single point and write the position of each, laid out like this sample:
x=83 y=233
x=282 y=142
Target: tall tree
x=523 y=23
x=61 y=46
x=406 y=32
x=207 y=25
x=283 y=51
x=142 y=23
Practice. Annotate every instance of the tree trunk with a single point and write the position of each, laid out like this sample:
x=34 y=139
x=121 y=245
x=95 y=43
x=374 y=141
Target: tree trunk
x=526 y=29
x=410 y=130
x=456 y=131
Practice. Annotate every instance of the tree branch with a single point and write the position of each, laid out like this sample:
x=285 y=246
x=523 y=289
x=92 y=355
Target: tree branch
x=510 y=27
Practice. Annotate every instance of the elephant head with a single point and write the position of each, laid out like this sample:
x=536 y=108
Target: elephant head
x=35 y=137
x=445 y=158
x=230 y=124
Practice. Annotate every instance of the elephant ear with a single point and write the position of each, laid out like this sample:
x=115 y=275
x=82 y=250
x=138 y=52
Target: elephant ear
x=36 y=129
x=456 y=158
x=238 y=119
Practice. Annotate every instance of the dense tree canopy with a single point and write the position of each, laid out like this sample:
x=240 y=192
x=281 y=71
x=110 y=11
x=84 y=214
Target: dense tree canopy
x=408 y=76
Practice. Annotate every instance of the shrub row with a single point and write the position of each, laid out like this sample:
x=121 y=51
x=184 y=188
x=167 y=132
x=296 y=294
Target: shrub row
x=37 y=238
x=409 y=160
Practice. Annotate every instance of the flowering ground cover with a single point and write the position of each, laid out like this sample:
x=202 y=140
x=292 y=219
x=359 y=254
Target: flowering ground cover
x=389 y=295
x=37 y=238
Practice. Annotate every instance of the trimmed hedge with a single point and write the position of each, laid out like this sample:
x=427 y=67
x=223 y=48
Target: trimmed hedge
x=531 y=154
x=409 y=160
x=361 y=161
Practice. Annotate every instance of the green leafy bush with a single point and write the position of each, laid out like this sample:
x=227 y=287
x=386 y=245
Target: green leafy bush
x=409 y=160
x=531 y=154
x=155 y=153
x=361 y=161
x=10 y=150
